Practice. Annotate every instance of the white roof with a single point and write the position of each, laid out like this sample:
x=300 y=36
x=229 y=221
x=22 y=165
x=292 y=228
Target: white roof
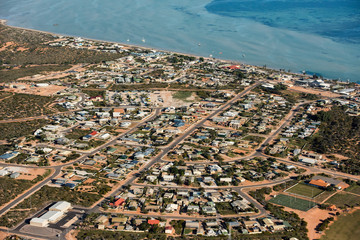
x=60 y=206
x=307 y=160
x=52 y=216
x=39 y=220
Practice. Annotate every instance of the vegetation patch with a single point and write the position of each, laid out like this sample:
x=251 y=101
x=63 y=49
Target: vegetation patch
x=293 y=202
x=37 y=52
x=77 y=133
x=44 y=196
x=224 y=208
x=109 y=235
x=345 y=227
x=10 y=188
x=24 y=105
x=339 y=133
x=9 y=75
x=182 y=95
x=19 y=129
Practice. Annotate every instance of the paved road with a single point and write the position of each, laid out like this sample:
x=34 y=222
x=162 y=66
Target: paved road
x=28 y=193
x=178 y=140
x=167 y=149
x=57 y=169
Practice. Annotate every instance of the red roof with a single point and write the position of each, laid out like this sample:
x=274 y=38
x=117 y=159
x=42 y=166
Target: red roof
x=234 y=67
x=319 y=183
x=153 y=221
x=118 y=202
x=93 y=133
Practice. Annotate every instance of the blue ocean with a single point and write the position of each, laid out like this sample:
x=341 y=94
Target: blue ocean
x=319 y=36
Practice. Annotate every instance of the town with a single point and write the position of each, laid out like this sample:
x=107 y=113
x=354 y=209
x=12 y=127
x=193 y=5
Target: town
x=154 y=144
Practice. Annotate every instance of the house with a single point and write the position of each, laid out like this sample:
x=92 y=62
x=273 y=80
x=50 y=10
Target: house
x=121 y=220
x=191 y=224
x=169 y=230
x=178 y=123
x=226 y=179
x=117 y=202
x=15 y=175
x=153 y=221
x=151 y=178
x=306 y=160
x=118 y=112
x=240 y=205
x=168 y=178
x=9 y=156
x=4 y=172
x=193 y=208
x=209 y=210
x=171 y=207
x=102 y=219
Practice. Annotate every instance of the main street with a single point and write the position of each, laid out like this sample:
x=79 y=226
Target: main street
x=165 y=150
x=57 y=169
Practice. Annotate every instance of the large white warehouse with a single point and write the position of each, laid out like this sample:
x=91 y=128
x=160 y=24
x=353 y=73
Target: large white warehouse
x=61 y=206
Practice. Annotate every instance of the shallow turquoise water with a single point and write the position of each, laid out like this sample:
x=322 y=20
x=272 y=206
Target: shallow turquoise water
x=337 y=19
x=318 y=36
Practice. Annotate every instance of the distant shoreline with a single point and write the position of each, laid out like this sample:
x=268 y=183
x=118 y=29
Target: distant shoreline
x=234 y=62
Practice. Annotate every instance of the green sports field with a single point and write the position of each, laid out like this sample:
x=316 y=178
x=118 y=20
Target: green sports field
x=292 y=202
x=305 y=190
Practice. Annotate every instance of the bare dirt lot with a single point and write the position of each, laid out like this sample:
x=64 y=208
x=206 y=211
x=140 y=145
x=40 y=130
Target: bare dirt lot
x=313 y=217
x=27 y=173
x=32 y=89
x=166 y=99
x=314 y=91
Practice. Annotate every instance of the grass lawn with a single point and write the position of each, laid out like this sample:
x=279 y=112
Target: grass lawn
x=354 y=189
x=343 y=199
x=254 y=138
x=188 y=231
x=305 y=190
x=224 y=208
x=182 y=95
x=292 y=202
x=77 y=133
x=346 y=227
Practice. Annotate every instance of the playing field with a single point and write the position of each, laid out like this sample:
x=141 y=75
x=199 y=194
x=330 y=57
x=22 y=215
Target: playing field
x=343 y=199
x=346 y=227
x=354 y=189
x=293 y=202
x=305 y=190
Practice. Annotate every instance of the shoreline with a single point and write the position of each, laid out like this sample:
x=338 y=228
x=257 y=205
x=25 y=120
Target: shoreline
x=4 y=22
x=230 y=61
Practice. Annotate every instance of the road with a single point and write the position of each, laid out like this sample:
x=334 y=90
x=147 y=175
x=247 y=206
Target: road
x=57 y=169
x=165 y=150
x=28 y=193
